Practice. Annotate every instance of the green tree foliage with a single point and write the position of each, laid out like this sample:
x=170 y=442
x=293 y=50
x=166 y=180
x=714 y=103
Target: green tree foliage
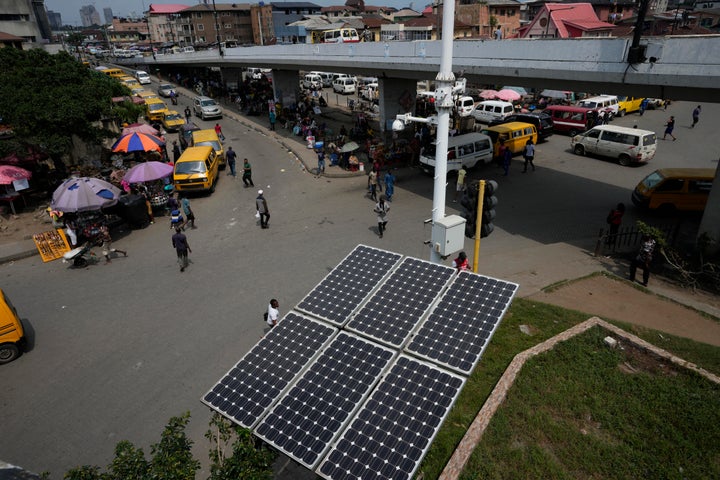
x=86 y=472
x=129 y=462
x=47 y=98
x=247 y=460
x=172 y=456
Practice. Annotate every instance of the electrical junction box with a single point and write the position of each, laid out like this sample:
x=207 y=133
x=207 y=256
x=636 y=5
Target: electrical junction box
x=448 y=235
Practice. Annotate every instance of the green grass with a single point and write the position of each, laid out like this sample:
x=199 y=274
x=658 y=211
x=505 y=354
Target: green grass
x=538 y=431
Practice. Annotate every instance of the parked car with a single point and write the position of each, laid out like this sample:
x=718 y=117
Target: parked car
x=164 y=89
x=543 y=122
x=142 y=77
x=172 y=121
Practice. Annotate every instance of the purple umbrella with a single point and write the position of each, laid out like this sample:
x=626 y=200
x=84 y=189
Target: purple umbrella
x=84 y=194
x=148 y=171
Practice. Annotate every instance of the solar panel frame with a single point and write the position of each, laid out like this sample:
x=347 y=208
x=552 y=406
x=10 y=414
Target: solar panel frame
x=357 y=455
x=275 y=360
x=316 y=401
x=393 y=311
x=324 y=295
x=463 y=321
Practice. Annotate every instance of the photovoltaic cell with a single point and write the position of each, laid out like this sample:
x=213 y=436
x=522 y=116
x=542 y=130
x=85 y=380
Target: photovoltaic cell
x=309 y=416
x=258 y=379
x=458 y=329
x=391 y=433
x=344 y=289
x=396 y=307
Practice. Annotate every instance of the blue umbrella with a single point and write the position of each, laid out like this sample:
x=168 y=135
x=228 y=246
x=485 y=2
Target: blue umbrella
x=84 y=194
x=138 y=142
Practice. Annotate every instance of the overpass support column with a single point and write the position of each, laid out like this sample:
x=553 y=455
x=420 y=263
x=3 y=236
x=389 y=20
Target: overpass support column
x=396 y=96
x=286 y=86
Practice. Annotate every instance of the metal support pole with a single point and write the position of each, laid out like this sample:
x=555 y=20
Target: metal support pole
x=478 y=224
x=443 y=104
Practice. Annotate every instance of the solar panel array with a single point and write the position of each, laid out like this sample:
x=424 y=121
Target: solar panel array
x=459 y=327
x=340 y=293
x=395 y=308
x=359 y=386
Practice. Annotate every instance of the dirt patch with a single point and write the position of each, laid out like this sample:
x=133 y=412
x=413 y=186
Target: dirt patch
x=619 y=300
x=28 y=221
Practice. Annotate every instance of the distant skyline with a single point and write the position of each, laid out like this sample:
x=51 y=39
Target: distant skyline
x=70 y=9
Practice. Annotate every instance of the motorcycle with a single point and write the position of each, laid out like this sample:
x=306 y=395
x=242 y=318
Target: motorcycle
x=81 y=256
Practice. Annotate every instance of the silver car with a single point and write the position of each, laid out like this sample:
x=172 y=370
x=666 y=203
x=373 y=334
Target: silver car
x=165 y=89
x=206 y=107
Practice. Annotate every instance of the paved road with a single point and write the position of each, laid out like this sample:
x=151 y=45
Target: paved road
x=120 y=348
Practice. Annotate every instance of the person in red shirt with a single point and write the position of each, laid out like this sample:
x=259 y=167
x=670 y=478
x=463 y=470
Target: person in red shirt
x=218 y=131
x=461 y=262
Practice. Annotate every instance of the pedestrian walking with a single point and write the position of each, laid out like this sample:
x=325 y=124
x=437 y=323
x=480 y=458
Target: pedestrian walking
x=461 y=262
x=389 y=185
x=231 y=157
x=669 y=127
x=106 y=244
x=643 y=106
x=321 y=161
x=529 y=154
x=696 y=116
x=188 y=114
x=262 y=209
x=176 y=151
x=373 y=183
x=272 y=317
x=247 y=174
x=643 y=259
x=218 y=132
x=614 y=220
x=460 y=184
x=182 y=247
x=382 y=208
x=273 y=119
x=506 y=159
x=189 y=215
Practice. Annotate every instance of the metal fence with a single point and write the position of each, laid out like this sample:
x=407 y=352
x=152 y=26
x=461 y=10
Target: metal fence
x=628 y=238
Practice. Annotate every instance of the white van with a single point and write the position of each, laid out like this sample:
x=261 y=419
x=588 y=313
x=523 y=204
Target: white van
x=602 y=102
x=627 y=145
x=491 y=110
x=327 y=78
x=464 y=106
x=312 y=81
x=344 y=85
x=467 y=150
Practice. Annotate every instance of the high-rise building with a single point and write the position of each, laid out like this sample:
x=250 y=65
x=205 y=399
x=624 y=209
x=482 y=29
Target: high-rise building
x=107 y=12
x=55 y=20
x=89 y=16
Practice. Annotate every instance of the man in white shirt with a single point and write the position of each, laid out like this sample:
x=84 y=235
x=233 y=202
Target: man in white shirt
x=273 y=313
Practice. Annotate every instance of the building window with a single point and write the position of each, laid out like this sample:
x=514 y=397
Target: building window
x=198 y=14
x=200 y=27
x=227 y=26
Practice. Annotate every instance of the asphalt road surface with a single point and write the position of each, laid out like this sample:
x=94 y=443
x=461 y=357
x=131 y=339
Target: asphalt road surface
x=118 y=349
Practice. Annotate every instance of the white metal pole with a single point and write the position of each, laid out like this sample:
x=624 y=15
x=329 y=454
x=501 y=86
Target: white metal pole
x=443 y=104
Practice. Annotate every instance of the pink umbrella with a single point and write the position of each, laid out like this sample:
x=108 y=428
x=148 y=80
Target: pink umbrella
x=508 y=95
x=139 y=128
x=488 y=94
x=10 y=173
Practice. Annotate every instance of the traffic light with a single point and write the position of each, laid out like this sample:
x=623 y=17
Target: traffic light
x=489 y=203
x=469 y=203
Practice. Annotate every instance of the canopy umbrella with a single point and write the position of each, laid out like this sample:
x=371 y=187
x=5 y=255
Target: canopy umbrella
x=521 y=90
x=349 y=147
x=508 y=95
x=84 y=194
x=148 y=171
x=558 y=94
x=10 y=173
x=139 y=128
x=138 y=142
x=488 y=94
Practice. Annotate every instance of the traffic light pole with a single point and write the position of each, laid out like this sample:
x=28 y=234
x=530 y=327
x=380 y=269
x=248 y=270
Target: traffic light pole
x=478 y=224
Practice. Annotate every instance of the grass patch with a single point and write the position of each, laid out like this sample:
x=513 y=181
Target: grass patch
x=546 y=321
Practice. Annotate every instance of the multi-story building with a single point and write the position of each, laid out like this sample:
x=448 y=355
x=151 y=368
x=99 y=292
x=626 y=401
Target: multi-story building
x=89 y=16
x=26 y=19
x=285 y=13
x=107 y=13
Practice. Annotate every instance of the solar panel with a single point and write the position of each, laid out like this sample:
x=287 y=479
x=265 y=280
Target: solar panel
x=396 y=307
x=344 y=289
x=458 y=329
x=308 y=417
x=255 y=382
x=392 y=432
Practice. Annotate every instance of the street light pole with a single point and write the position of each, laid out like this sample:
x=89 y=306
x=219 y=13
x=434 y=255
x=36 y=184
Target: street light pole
x=444 y=105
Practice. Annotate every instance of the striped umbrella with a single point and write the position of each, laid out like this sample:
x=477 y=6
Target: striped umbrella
x=138 y=142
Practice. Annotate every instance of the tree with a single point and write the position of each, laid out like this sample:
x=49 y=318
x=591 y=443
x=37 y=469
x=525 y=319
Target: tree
x=47 y=99
x=172 y=456
x=247 y=460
